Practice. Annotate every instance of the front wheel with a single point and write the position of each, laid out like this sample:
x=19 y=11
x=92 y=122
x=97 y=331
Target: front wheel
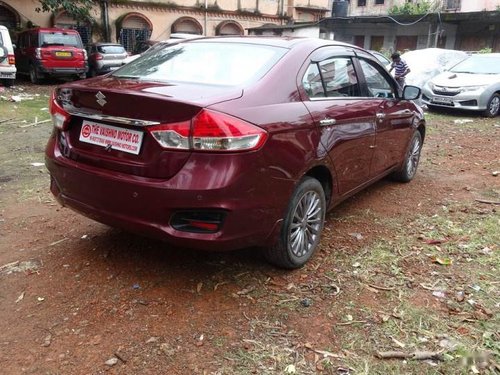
x=412 y=158
x=302 y=226
x=493 y=106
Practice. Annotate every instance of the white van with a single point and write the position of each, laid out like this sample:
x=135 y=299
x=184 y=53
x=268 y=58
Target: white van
x=7 y=59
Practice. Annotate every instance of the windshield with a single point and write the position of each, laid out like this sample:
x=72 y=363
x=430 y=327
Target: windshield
x=212 y=63
x=478 y=64
x=60 y=39
x=111 y=49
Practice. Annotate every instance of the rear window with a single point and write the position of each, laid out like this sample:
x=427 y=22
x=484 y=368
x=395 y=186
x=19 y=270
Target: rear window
x=60 y=39
x=212 y=63
x=111 y=49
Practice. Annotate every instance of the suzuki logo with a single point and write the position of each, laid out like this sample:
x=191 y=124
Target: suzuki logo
x=101 y=99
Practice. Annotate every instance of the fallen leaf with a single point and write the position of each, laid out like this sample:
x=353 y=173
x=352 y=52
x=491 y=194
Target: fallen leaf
x=20 y=298
x=442 y=261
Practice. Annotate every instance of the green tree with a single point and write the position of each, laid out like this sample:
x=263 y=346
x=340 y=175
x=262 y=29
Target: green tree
x=78 y=9
x=420 y=7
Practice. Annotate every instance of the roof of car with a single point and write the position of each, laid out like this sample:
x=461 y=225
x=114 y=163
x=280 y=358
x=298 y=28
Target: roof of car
x=107 y=44
x=51 y=30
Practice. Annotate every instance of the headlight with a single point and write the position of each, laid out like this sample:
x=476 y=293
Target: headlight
x=472 y=88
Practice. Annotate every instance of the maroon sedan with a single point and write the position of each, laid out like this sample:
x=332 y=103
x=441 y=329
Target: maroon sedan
x=225 y=143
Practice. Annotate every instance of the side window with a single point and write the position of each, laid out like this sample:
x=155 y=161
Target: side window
x=333 y=77
x=378 y=86
x=312 y=82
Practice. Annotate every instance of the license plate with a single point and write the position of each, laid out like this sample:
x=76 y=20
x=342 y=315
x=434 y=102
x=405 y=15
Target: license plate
x=438 y=99
x=63 y=54
x=111 y=137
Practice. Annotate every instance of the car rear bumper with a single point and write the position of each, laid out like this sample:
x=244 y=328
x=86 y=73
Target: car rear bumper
x=61 y=71
x=7 y=72
x=146 y=206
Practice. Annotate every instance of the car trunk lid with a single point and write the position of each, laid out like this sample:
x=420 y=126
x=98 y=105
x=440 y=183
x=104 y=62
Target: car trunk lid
x=110 y=117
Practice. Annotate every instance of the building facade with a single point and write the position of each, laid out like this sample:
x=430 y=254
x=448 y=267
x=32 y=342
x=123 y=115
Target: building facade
x=132 y=21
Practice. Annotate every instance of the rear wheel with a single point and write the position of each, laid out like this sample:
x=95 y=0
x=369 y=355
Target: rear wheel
x=301 y=230
x=34 y=75
x=410 y=165
x=493 y=106
x=8 y=82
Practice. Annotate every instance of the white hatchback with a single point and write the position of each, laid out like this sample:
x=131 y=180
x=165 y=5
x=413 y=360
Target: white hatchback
x=7 y=59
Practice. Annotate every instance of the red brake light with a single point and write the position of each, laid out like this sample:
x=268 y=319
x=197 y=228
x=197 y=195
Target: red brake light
x=98 y=56
x=210 y=131
x=12 y=59
x=215 y=131
x=60 y=117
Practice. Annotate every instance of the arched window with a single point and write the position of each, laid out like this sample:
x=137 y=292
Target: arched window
x=133 y=28
x=229 y=28
x=187 y=25
x=9 y=16
x=64 y=21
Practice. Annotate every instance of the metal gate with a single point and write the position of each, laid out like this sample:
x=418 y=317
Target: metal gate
x=130 y=37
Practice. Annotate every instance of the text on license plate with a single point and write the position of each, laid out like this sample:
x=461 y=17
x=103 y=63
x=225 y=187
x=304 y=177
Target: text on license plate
x=63 y=54
x=120 y=139
x=438 y=99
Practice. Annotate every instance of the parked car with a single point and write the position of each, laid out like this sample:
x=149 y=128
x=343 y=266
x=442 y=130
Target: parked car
x=7 y=59
x=105 y=57
x=237 y=142
x=429 y=62
x=473 y=84
x=50 y=52
x=384 y=60
x=146 y=45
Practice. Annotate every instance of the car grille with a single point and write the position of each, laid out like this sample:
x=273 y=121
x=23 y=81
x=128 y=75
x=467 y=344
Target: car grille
x=444 y=91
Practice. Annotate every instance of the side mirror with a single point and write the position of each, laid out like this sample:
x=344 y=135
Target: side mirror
x=411 y=92
x=14 y=46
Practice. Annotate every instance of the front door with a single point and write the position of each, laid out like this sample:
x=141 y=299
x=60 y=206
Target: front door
x=346 y=121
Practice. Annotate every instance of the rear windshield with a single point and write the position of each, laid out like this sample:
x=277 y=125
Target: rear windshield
x=60 y=39
x=212 y=63
x=478 y=64
x=111 y=49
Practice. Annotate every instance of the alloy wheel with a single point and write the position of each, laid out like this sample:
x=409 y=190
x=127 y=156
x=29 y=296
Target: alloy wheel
x=413 y=157
x=306 y=224
x=494 y=105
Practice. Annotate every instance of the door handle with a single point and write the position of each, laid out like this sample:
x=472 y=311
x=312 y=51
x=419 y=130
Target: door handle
x=327 y=122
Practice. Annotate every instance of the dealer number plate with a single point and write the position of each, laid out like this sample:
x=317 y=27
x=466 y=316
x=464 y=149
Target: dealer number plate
x=111 y=137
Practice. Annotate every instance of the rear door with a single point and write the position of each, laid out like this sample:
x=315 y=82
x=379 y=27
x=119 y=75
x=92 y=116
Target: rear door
x=345 y=119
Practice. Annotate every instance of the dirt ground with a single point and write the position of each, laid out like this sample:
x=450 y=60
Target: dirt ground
x=392 y=274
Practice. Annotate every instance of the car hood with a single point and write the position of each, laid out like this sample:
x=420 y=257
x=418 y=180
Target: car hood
x=451 y=79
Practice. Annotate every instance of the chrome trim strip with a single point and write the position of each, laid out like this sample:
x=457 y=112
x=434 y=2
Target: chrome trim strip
x=115 y=119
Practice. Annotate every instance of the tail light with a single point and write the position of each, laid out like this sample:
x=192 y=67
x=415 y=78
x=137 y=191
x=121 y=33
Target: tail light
x=210 y=131
x=12 y=59
x=98 y=56
x=60 y=117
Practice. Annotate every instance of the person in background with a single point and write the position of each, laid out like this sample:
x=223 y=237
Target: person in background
x=401 y=69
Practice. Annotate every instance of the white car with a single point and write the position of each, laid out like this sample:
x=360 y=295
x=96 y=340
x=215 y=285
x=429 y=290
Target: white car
x=473 y=84
x=7 y=59
x=429 y=62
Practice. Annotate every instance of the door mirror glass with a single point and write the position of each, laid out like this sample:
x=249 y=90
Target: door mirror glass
x=411 y=92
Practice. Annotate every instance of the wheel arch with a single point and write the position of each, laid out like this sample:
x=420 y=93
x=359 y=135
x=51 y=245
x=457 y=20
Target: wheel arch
x=323 y=175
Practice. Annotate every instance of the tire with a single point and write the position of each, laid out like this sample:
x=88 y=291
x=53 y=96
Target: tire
x=302 y=226
x=8 y=82
x=34 y=76
x=493 y=106
x=412 y=158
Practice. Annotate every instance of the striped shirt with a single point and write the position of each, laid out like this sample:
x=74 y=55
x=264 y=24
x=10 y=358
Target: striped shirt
x=399 y=67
